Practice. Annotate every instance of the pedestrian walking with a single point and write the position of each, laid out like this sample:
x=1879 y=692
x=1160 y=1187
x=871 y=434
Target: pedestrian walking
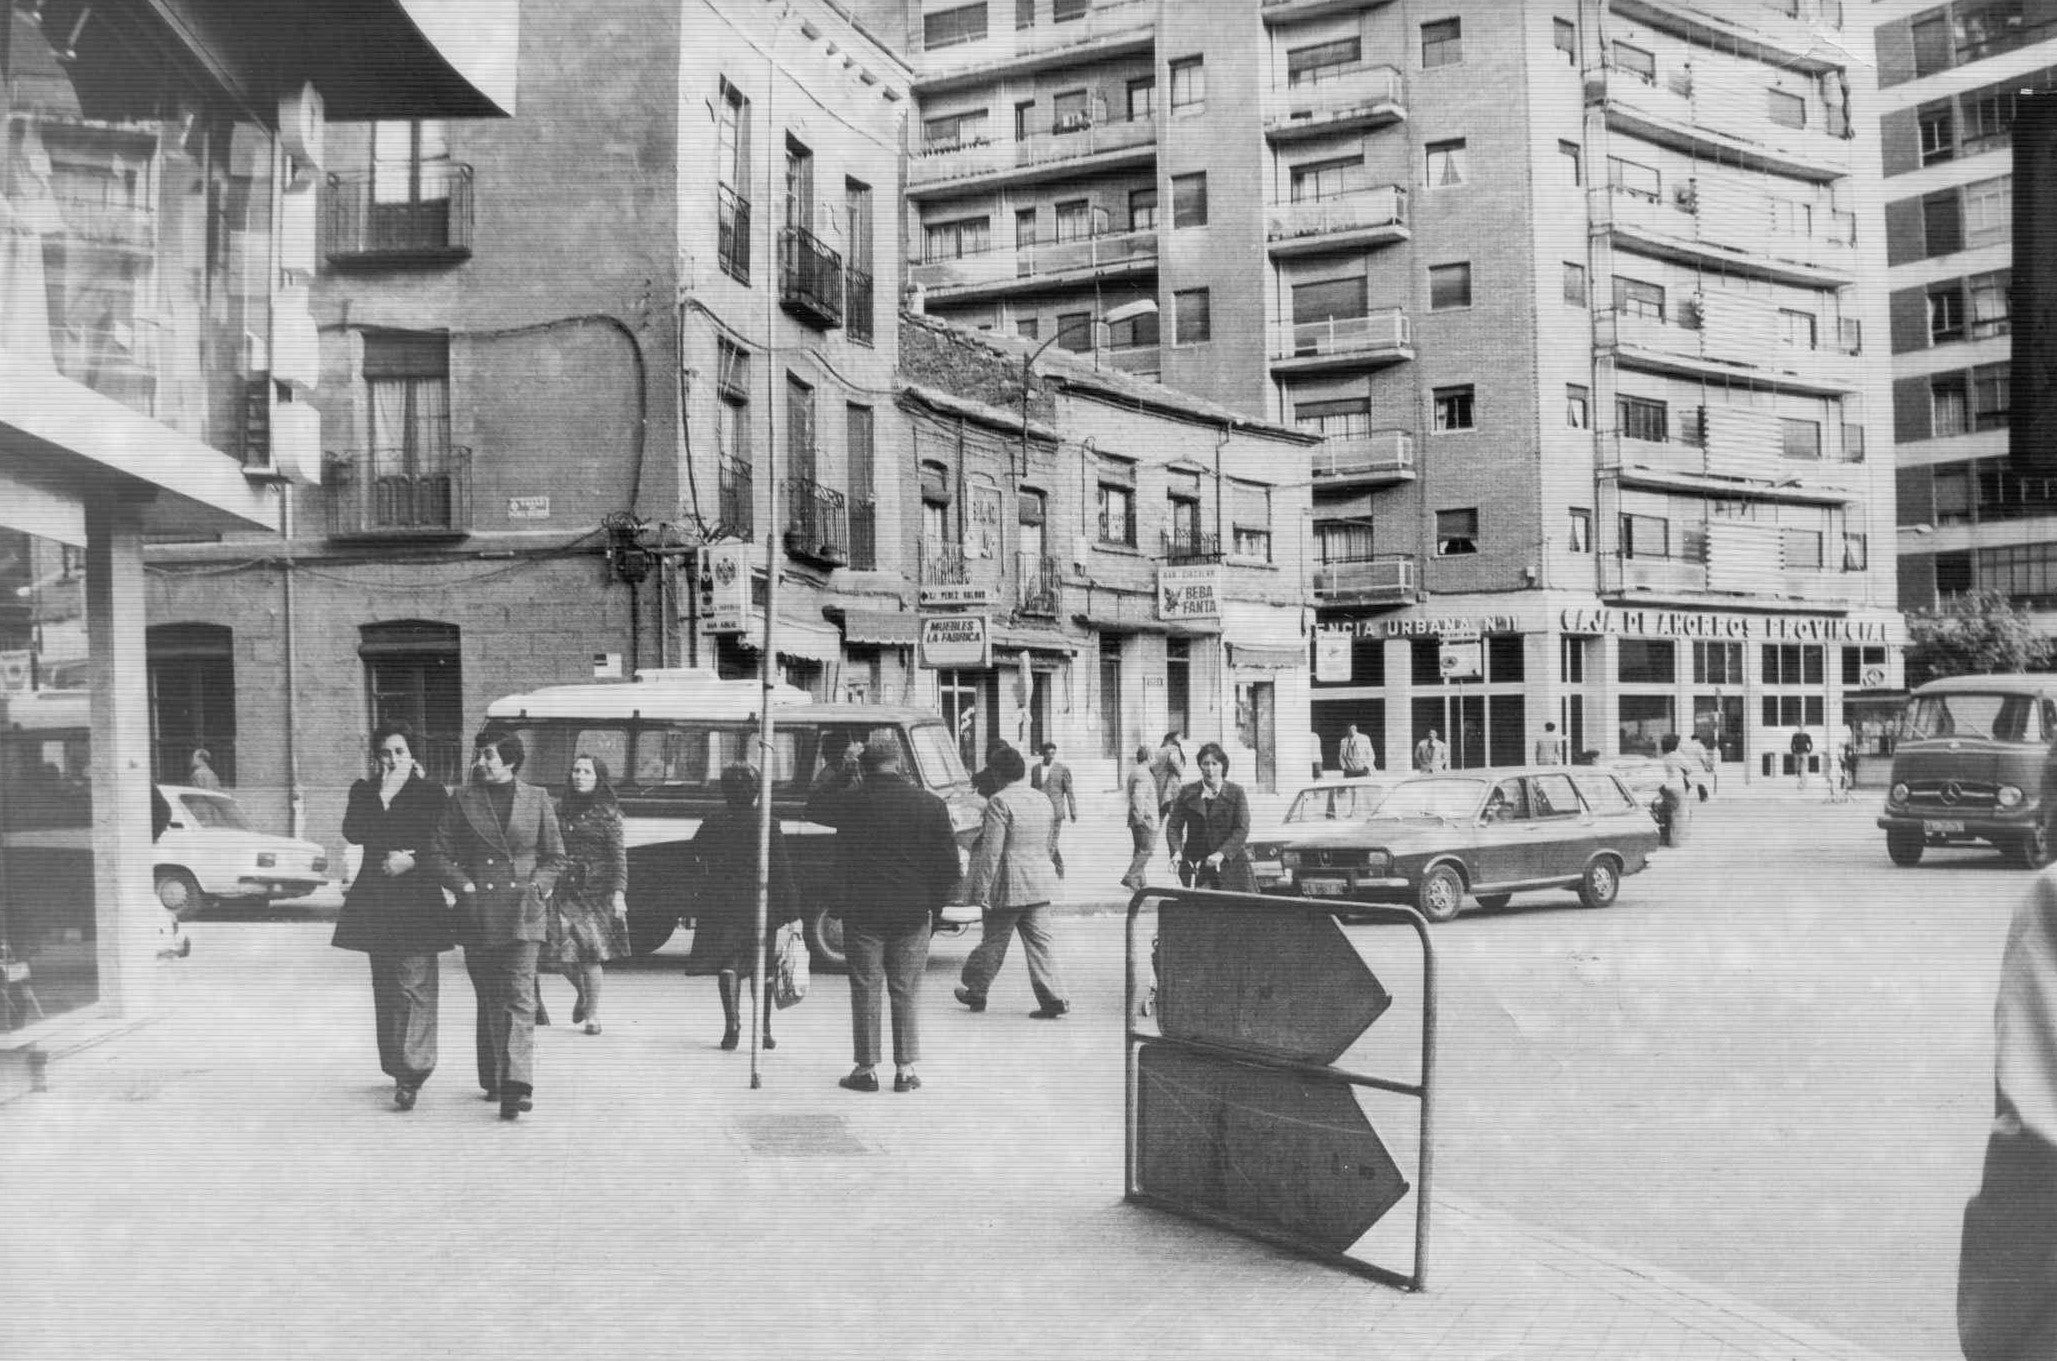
x=897 y=863
x=1674 y=797
x=1802 y=748
x=1358 y=755
x=1169 y=767
x=1431 y=754
x=588 y=923
x=394 y=911
x=1550 y=747
x=1014 y=878
x=1209 y=824
x=1315 y=738
x=1703 y=750
x=498 y=848
x=2006 y=1289
x=1053 y=777
x=1140 y=794
x=1846 y=760
x=725 y=908
x=200 y=770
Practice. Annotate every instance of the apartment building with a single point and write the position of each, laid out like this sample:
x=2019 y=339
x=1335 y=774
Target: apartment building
x=560 y=355
x=1951 y=78
x=1569 y=290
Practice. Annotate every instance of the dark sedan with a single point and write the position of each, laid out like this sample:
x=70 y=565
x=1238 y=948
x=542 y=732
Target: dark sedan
x=1487 y=833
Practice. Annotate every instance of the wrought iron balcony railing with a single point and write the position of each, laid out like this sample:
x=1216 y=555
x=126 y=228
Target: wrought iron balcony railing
x=810 y=279
x=736 y=497
x=857 y=318
x=1186 y=546
x=1036 y=583
x=399 y=493
x=817 y=522
x=433 y=227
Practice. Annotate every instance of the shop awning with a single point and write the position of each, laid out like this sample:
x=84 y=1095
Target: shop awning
x=879 y=628
x=1016 y=639
x=810 y=642
x=1267 y=658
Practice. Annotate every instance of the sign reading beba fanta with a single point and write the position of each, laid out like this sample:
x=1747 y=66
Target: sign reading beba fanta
x=1191 y=592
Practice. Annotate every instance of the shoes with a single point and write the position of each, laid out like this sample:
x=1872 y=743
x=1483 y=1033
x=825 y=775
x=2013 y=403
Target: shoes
x=578 y=1012
x=769 y=1042
x=731 y=1037
x=976 y=1001
x=542 y=1015
x=1051 y=1011
x=513 y=1103
x=864 y=1081
x=490 y=1094
x=592 y=1027
x=906 y=1082
x=404 y=1096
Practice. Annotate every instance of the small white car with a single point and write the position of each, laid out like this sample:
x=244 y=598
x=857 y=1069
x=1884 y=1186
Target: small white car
x=209 y=851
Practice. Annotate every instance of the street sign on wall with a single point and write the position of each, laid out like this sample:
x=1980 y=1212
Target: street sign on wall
x=952 y=641
x=727 y=597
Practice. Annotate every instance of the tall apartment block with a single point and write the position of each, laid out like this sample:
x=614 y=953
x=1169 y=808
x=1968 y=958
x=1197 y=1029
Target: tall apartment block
x=1569 y=289
x=1951 y=78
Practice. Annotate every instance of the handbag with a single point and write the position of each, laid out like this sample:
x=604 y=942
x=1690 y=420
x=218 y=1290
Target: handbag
x=789 y=967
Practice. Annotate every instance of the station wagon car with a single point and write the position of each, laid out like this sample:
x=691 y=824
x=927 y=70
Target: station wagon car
x=1350 y=799
x=1487 y=833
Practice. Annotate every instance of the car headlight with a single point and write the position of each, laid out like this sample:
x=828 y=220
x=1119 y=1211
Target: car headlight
x=1378 y=862
x=320 y=864
x=2010 y=795
x=267 y=860
x=1291 y=859
x=1898 y=793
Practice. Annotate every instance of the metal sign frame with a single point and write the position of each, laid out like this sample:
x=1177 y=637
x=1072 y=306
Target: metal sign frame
x=1134 y=1039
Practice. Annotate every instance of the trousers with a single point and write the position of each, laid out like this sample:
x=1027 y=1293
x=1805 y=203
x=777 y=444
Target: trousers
x=405 y=995
x=1144 y=837
x=886 y=962
x=503 y=982
x=1038 y=943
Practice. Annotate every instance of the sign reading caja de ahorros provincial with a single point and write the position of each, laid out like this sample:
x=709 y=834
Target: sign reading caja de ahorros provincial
x=1189 y=592
x=952 y=641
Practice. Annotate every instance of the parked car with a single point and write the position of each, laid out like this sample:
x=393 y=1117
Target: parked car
x=1488 y=833
x=1350 y=799
x=210 y=851
x=1644 y=776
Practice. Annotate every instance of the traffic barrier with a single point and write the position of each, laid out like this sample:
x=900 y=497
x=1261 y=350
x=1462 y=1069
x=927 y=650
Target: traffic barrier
x=1237 y=1113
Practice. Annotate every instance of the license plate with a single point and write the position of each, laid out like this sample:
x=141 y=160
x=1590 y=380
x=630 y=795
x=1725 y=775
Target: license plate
x=1323 y=888
x=1939 y=828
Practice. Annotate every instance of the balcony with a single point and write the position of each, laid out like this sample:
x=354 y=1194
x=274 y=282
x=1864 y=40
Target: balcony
x=817 y=523
x=1336 y=99
x=1622 y=575
x=810 y=279
x=1179 y=547
x=1038 y=264
x=1341 y=343
x=1297 y=11
x=1707 y=219
x=1036 y=582
x=1389 y=579
x=1805 y=39
x=1106 y=28
x=1374 y=458
x=400 y=494
x=1092 y=145
x=1719 y=125
x=433 y=228
x=737 y=499
x=1355 y=219
x=1733 y=338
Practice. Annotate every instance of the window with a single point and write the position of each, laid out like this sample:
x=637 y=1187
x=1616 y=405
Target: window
x=1192 y=319
x=1456 y=532
x=1949 y=405
x=732 y=140
x=1933 y=47
x=1182 y=494
x=859 y=445
x=1578 y=406
x=1075 y=332
x=1442 y=43
x=1250 y=516
x=951 y=130
x=1024 y=120
x=1938 y=125
x=1988 y=121
x=1334 y=417
x=1069 y=112
x=1065 y=11
x=1717 y=663
x=2025 y=573
x=1449 y=286
x=1634 y=179
x=1024 y=14
x=407 y=381
x=1344 y=542
x=1574 y=284
x=410 y=164
x=1645 y=661
x=1942 y=223
x=1305 y=65
x=192 y=677
x=1801 y=549
x=857 y=249
x=1027 y=328
x=1189 y=200
x=1142 y=210
x=1792 y=663
x=1989 y=212
x=1574 y=161
x=1856 y=553
x=1074 y=220
x=1796 y=329
x=1635 y=298
x=413 y=674
x=1785 y=109
x=1643 y=419
x=1453 y=408
x=1945 y=313
x=1857 y=660
x=1635 y=61
x=1327 y=299
x=1024 y=228
x=1989 y=315
x=1134 y=333
x=1117 y=502
x=1564 y=37
x=1799 y=439
x=1645 y=536
x=1142 y=98
x=1445 y=164
x=800 y=445
x=1989 y=397
x=1188 y=85
x=947 y=28
x=1317 y=180
x=953 y=240
x=732 y=435
x=799 y=186
x=1580 y=532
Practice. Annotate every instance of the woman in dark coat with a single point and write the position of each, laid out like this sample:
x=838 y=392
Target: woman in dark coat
x=589 y=914
x=725 y=912
x=395 y=911
x=1208 y=823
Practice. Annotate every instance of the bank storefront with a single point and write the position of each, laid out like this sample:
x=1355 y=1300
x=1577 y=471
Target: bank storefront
x=1613 y=681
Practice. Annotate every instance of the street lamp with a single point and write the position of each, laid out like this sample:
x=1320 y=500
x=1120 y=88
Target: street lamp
x=1128 y=311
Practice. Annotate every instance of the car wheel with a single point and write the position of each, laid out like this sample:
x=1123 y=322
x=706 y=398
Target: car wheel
x=825 y=942
x=649 y=928
x=1441 y=895
x=179 y=892
x=2034 y=848
x=1905 y=848
x=1602 y=882
x=1494 y=901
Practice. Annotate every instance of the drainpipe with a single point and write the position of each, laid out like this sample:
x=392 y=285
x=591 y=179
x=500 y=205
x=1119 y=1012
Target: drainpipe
x=296 y=794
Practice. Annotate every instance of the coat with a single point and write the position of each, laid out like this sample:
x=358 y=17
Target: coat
x=1055 y=782
x=403 y=914
x=1142 y=798
x=1013 y=863
x=896 y=857
x=513 y=870
x=583 y=927
x=724 y=907
x=1201 y=826
x=1169 y=768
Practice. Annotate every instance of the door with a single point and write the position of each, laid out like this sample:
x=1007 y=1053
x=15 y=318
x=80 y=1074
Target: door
x=1506 y=836
x=1565 y=833
x=1110 y=697
x=1718 y=722
x=1258 y=712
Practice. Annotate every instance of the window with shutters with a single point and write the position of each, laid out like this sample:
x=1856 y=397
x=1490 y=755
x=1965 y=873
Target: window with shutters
x=1449 y=287
x=1192 y=313
x=1250 y=518
x=1316 y=180
x=1442 y=43
x=1322 y=61
x=732 y=138
x=1797 y=330
x=1075 y=332
x=1799 y=438
x=1074 y=220
x=1327 y=299
x=1068 y=11
x=1573 y=161
x=1579 y=531
x=1634 y=61
x=1801 y=549
x=1334 y=417
x=1988 y=294
x=1142 y=99
x=1949 y=405
x=1564 y=37
x=1938 y=126
x=1070 y=111
x=800 y=446
x=1636 y=298
x=1942 y=223
x=1988 y=120
x=1933 y=48
x=947 y=28
x=1634 y=179
x=1578 y=406
x=1645 y=536
x=1142 y=210
x=1643 y=419
x=954 y=240
x=1456 y=532
x=949 y=131
x=1117 y=502
x=861 y=454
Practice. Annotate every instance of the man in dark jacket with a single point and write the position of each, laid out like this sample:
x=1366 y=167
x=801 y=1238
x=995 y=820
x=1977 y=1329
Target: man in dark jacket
x=898 y=863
